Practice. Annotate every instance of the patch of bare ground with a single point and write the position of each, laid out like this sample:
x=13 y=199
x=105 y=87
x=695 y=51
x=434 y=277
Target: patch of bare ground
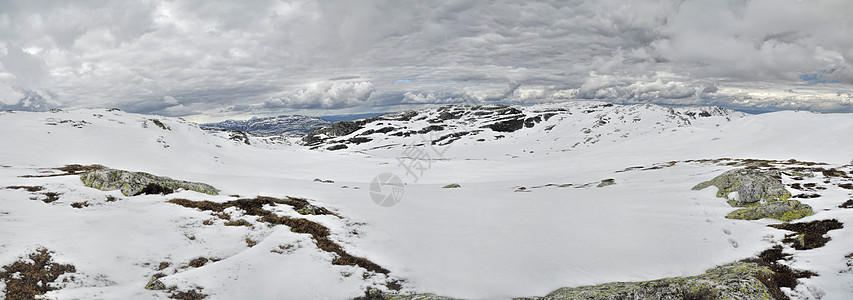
x=31 y=189
x=194 y=294
x=28 y=278
x=783 y=276
x=319 y=233
x=808 y=235
x=73 y=169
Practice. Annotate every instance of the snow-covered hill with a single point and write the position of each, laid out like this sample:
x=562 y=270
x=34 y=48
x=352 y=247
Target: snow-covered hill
x=569 y=125
x=280 y=125
x=549 y=196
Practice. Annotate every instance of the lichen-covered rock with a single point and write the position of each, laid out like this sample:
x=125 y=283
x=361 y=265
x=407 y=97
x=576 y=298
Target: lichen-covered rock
x=376 y=294
x=133 y=183
x=781 y=210
x=751 y=185
x=155 y=284
x=732 y=281
x=607 y=182
x=760 y=193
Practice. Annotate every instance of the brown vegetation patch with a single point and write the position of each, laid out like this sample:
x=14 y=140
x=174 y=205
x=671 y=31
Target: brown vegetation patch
x=26 y=280
x=808 y=235
x=73 y=169
x=80 y=204
x=832 y=173
x=198 y=262
x=807 y=196
x=31 y=189
x=783 y=276
x=847 y=204
x=188 y=295
x=240 y=222
x=318 y=232
x=51 y=197
x=163 y=265
x=848 y=186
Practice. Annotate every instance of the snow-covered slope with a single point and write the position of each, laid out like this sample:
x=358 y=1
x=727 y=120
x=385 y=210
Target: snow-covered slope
x=528 y=218
x=291 y=124
x=570 y=125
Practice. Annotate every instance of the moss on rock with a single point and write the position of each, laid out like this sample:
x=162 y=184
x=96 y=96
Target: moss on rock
x=134 y=183
x=760 y=193
x=732 y=281
x=781 y=210
x=751 y=185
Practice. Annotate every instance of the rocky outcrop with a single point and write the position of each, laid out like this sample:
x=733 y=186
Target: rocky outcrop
x=732 y=281
x=739 y=280
x=751 y=185
x=780 y=210
x=134 y=183
x=267 y=126
x=472 y=124
x=760 y=193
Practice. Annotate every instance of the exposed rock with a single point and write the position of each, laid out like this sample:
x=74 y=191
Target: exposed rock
x=607 y=182
x=239 y=136
x=780 y=210
x=268 y=126
x=751 y=185
x=376 y=294
x=808 y=235
x=452 y=186
x=155 y=284
x=738 y=280
x=507 y=125
x=732 y=281
x=760 y=192
x=133 y=183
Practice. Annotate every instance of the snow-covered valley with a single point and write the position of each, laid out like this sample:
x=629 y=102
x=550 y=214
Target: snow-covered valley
x=549 y=196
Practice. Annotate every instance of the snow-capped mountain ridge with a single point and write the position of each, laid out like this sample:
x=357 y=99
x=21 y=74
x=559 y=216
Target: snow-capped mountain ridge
x=588 y=194
x=285 y=124
x=583 y=123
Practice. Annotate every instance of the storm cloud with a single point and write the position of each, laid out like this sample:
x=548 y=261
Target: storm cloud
x=212 y=59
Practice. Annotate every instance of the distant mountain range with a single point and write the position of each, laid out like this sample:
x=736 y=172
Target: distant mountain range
x=287 y=125
x=295 y=124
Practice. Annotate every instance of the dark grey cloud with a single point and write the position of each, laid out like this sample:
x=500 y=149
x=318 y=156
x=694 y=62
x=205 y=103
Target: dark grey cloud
x=216 y=58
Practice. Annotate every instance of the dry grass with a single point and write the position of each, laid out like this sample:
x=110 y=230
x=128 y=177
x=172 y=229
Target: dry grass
x=26 y=280
x=239 y=222
x=188 y=295
x=76 y=169
x=73 y=169
x=318 y=232
x=198 y=262
x=51 y=197
x=808 y=235
x=783 y=276
x=31 y=189
x=847 y=204
x=80 y=204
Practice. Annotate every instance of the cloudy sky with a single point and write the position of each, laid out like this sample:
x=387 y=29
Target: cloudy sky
x=206 y=60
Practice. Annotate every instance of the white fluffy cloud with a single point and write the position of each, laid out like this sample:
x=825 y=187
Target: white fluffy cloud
x=271 y=56
x=325 y=95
